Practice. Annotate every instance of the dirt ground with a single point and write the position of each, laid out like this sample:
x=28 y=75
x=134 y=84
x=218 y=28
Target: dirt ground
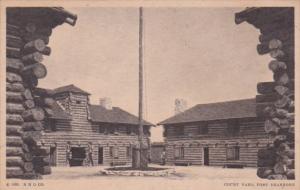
x=186 y=178
x=182 y=172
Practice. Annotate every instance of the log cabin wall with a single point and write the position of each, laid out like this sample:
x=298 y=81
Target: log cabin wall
x=27 y=35
x=78 y=105
x=63 y=100
x=250 y=139
x=80 y=130
x=276 y=98
x=120 y=141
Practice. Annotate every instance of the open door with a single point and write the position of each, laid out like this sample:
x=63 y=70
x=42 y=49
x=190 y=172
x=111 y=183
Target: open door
x=100 y=155
x=206 y=156
x=78 y=156
x=52 y=156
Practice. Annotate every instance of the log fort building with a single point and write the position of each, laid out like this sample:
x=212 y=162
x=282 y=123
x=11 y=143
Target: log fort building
x=227 y=134
x=77 y=129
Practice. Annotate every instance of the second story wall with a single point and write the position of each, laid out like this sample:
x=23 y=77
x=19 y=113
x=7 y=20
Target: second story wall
x=226 y=129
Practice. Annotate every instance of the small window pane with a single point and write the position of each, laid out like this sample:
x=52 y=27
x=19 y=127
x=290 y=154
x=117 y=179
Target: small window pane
x=202 y=130
x=233 y=153
x=128 y=152
x=179 y=130
x=101 y=129
x=128 y=130
x=179 y=153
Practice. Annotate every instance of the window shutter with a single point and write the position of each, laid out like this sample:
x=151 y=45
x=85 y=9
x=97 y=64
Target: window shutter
x=233 y=153
x=230 y=154
x=182 y=152
x=128 y=152
x=176 y=152
x=116 y=152
x=128 y=130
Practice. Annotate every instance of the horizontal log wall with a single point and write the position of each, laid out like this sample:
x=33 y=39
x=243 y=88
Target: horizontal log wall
x=60 y=140
x=80 y=131
x=63 y=100
x=193 y=151
x=248 y=129
x=250 y=139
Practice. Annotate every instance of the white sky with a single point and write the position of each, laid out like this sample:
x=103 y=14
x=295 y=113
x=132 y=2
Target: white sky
x=198 y=54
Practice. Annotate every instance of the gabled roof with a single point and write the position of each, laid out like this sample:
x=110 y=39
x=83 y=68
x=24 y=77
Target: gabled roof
x=115 y=115
x=59 y=113
x=70 y=88
x=215 y=111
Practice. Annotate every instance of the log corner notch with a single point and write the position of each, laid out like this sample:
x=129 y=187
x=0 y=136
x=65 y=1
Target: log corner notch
x=275 y=101
x=28 y=31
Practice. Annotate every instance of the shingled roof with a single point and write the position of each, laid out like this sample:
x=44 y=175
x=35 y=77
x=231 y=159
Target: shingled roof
x=70 y=88
x=115 y=115
x=215 y=111
x=97 y=112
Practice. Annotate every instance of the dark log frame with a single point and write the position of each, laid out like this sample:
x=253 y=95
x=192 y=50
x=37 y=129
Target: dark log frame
x=28 y=31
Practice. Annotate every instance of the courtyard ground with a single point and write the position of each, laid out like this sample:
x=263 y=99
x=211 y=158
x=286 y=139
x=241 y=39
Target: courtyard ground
x=186 y=178
x=182 y=172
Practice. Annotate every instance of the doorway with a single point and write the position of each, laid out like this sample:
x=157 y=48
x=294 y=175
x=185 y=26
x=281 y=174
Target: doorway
x=206 y=156
x=100 y=155
x=78 y=156
x=52 y=156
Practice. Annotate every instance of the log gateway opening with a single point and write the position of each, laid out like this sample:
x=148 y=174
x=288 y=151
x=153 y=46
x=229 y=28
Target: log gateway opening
x=78 y=156
x=28 y=30
x=100 y=155
x=205 y=156
x=275 y=99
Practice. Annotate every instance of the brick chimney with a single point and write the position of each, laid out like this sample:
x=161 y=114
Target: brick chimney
x=106 y=103
x=180 y=106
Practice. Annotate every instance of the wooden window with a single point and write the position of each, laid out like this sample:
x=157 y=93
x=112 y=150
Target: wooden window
x=203 y=129
x=135 y=130
x=128 y=130
x=233 y=153
x=179 y=130
x=114 y=152
x=179 y=153
x=233 y=127
x=117 y=130
x=101 y=129
x=128 y=152
x=111 y=129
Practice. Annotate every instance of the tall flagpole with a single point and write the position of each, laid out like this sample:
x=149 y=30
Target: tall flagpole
x=142 y=160
x=140 y=86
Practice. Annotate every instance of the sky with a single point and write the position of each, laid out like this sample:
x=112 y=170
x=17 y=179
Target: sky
x=197 y=54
